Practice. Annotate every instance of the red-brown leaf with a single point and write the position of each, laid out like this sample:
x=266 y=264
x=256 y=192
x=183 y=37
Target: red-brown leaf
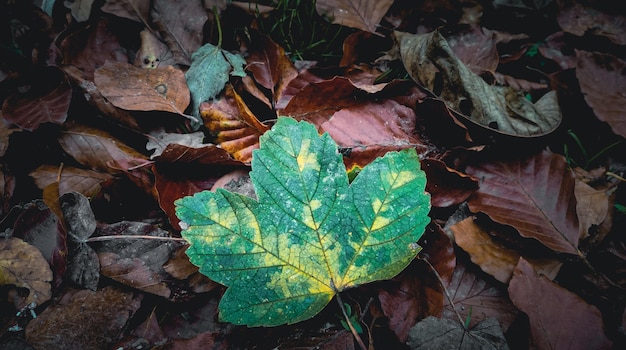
x=535 y=195
x=447 y=187
x=559 y=319
x=46 y=101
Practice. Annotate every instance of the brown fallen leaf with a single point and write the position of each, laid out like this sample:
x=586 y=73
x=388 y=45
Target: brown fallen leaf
x=87 y=182
x=493 y=257
x=24 y=266
x=436 y=333
x=186 y=148
x=139 y=89
x=602 y=79
x=447 y=186
x=46 y=100
x=580 y=20
x=236 y=129
x=558 y=318
x=534 y=194
x=360 y=14
x=84 y=319
x=97 y=149
x=469 y=290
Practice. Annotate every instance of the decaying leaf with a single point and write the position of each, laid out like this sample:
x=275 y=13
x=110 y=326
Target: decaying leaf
x=84 y=319
x=86 y=182
x=311 y=234
x=499 y=109
x=35 y=275
x=186 y=148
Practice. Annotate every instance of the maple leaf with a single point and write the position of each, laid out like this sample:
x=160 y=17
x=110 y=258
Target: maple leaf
x=311 y=234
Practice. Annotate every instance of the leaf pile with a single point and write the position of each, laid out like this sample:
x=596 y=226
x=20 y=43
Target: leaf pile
x=112 y=111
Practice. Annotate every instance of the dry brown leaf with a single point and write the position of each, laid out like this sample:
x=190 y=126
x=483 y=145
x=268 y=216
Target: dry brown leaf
x=602 y=79
x=24 y=266
x=236 y=129
x=558 y=318
x=360 y=14
x=97 y=149
x=535 y=195
x=138 y=89
x=86 y=182
x=494 y=258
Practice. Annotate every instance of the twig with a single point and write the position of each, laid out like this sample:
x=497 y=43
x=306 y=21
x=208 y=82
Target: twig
x=354 y=332
x=110 y=238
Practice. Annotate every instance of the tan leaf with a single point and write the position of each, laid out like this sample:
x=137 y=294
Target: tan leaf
x=23 y=265
x=494 y=258
x=86 y=182
x=360 y=14
x=138 y=89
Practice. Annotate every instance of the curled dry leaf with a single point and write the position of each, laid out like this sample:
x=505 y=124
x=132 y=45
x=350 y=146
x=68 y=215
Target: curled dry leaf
x=498 y=109
x=23 y=265
x=138 y=89
x=236 y=129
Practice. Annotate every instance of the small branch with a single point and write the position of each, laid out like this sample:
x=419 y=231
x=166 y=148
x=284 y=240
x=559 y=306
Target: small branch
x=110 y=238
x=354 y=332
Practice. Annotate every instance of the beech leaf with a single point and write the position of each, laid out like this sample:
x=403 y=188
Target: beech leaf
x=311 y=234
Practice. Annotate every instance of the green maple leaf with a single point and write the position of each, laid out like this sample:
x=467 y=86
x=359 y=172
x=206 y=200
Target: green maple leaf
x=311 y=234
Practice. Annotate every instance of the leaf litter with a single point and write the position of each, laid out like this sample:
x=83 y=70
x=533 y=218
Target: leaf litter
x=529 y=196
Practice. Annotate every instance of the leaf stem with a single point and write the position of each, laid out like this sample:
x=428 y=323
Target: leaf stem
x=110 y=238
x=445 y=290
x=354 y=332
x=219 y=27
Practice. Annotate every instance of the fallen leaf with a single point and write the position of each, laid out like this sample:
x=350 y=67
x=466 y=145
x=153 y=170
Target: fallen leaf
x=447 y=186
x=236 y=129
x=153 y=52
x=139 y=89
x=534 y=194
x=558 y=318
x=499 y=109
x=35 y=275
x=186 y=148
x=209 y=72
x=581 y=20
x=80 y=9
x=493 y=257
x=87 y=182
x=602 y=79
x=97 y=149
x=84 y=319
x=360 y=14
x=441 y=333
x=46 y=100
x=180 y=24
x=83 y=266
x=485 y=297
x=136 y=262
x=295 y=220
x=135 y=10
